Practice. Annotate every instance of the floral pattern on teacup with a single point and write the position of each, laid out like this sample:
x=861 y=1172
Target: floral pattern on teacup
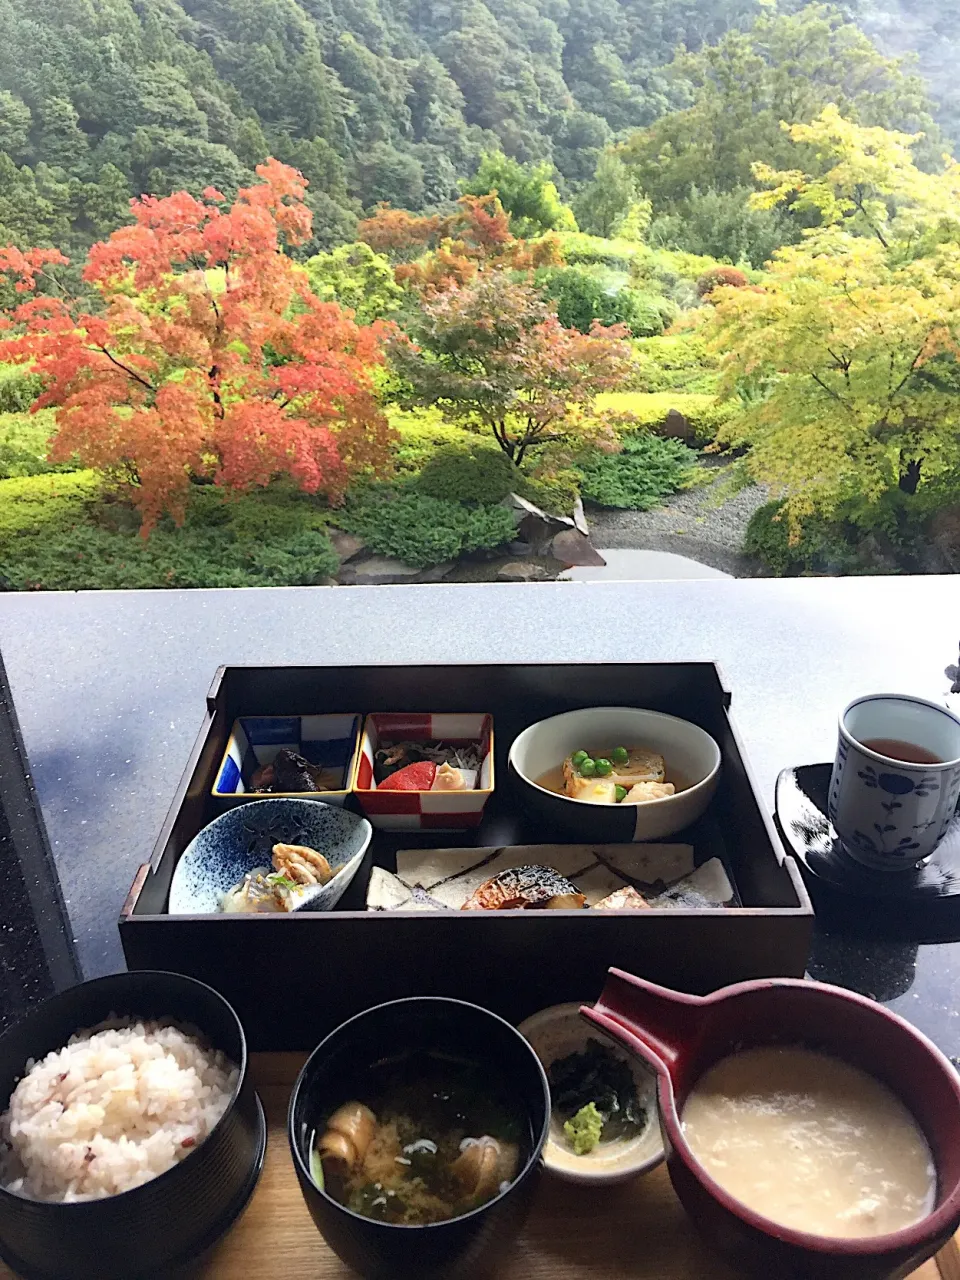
x=897 y=784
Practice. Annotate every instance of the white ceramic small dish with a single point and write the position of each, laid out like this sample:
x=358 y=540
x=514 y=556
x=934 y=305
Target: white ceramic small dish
x=691 y=756
x=558 y=1031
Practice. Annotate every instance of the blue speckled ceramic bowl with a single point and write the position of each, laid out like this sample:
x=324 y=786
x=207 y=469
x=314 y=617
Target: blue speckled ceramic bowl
x=228 y=848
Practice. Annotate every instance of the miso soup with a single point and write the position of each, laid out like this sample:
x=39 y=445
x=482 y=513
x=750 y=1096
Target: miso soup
x=424 y=1137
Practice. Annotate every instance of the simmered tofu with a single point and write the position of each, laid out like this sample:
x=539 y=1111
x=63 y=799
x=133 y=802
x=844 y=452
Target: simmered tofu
x=643 y=765
x=644 y=791
x=598 y=790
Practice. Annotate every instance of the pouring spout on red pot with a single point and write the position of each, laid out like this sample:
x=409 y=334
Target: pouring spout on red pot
x=681 y=1036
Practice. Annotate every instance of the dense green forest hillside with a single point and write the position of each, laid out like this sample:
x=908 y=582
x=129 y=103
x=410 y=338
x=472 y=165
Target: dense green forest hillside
x=395 y=100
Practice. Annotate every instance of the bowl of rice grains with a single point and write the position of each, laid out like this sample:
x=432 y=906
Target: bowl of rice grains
x=130 y=1137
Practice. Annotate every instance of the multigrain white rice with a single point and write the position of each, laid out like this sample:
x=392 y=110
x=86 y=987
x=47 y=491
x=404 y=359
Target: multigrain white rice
x=111 y=1110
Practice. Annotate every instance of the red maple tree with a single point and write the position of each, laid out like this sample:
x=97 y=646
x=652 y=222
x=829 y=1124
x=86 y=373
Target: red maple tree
x=205 y=353
x=451 y=250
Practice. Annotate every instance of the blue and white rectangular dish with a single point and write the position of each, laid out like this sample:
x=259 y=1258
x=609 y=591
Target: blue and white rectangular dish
x=328 y=741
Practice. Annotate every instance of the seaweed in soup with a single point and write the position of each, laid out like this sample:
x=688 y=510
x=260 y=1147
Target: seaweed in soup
x=425 y=1138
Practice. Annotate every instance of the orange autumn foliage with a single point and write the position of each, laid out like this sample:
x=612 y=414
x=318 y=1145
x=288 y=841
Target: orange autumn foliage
x=208 y=355
x=451 y=250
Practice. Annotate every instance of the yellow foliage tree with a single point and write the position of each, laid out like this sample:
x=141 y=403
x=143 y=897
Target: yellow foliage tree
x=846 y=358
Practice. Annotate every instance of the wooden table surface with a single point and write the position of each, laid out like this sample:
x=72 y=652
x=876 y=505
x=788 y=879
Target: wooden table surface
x=633 y=1232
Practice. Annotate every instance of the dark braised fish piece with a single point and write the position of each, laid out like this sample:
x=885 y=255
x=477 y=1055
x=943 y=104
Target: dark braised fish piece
x=291 y=771
x=526 y=889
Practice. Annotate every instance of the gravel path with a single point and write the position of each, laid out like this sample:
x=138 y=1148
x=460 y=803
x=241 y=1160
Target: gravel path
x=691 y=523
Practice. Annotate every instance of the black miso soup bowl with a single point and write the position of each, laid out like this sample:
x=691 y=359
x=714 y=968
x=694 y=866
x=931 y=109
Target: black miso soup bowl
x=460 y=1248
x=177 y=1216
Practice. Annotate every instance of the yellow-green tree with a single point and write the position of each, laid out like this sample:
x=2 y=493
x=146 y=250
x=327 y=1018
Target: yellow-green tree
x=847 y=356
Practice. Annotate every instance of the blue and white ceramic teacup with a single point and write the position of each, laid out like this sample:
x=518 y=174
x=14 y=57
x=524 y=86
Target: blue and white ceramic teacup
x=891 y=812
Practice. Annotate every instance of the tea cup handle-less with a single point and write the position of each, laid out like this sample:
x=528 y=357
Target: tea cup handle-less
x=891 y=813
x=681 y=1036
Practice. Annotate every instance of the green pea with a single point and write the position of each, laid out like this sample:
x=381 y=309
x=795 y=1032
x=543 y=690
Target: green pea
x=588 y=767
x=619 y=755
x=603 y=766
x=621 y=794
x=578 y=757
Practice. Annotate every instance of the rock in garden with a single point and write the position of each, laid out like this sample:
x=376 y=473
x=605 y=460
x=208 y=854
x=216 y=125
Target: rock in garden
x=514 y=571
x=571 y=548
x=378 y=571
x=677 y=427
x=520 y=548
x=535 y=526
x=346 y=545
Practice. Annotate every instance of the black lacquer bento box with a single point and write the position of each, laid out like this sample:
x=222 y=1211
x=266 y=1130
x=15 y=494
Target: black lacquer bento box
x=293 y=978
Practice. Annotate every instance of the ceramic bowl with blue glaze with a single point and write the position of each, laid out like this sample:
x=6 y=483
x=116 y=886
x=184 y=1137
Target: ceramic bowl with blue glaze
x=242 y=839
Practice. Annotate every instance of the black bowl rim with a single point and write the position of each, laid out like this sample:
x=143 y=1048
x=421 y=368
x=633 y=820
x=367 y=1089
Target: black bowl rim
x=535 y=1157
x=78 y=1207
x=707 y=780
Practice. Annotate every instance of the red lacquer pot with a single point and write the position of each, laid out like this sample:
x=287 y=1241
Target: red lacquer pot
x=680 y=1036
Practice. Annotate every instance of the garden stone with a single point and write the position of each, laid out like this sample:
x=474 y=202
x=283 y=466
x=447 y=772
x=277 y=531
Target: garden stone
x=436 y=573
x=571 y=547
x=676 y=426
x=346 y=545
x=579 y=519
x=514 y=571
x=520 y=548
x=535 y=526
x=378 y=571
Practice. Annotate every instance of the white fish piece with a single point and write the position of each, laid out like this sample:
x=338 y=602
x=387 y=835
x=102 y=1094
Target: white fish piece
x=386 y=892
x=708 y=886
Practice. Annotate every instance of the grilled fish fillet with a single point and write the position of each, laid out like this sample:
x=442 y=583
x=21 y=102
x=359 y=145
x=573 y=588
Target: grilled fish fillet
x=526 y=889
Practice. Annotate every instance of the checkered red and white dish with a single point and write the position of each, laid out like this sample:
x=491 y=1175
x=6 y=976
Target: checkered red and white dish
x=424 y=810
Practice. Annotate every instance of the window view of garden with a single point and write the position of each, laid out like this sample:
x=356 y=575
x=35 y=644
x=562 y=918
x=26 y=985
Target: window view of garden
x=371 y=291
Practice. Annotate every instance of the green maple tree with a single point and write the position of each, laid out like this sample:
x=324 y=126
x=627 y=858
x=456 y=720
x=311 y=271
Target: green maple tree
x=849 y=351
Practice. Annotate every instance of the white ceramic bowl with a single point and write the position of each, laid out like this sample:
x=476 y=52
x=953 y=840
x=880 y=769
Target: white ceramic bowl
x=558 y=1031
x=690 y=754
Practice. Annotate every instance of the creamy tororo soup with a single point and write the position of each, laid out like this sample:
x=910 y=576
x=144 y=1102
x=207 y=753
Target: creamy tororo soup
x=810 y=1142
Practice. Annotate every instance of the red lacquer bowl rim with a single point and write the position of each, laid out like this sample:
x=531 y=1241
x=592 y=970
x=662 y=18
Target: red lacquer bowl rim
x=940 y=1221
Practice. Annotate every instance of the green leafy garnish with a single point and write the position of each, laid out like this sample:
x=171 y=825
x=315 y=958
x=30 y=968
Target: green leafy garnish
x=281 y=881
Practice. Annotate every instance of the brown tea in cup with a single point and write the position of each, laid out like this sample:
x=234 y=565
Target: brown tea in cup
x=897 y=749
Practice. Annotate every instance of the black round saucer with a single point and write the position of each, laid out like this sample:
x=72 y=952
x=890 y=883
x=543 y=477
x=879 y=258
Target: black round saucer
x=920 y=902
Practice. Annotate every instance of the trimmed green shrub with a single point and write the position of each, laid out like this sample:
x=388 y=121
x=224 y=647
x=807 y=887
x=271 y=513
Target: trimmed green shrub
x=18 y=388
x=423 y=531
x=38 y=504
x=422 y=432
x=704 y=413
x=675 y=362
x=647 y=470
x=582 y=296
x=23 y=445
x=821 y=547
x=56 y=535
x=483 y=473
x=578 y=247
x=554 y=492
